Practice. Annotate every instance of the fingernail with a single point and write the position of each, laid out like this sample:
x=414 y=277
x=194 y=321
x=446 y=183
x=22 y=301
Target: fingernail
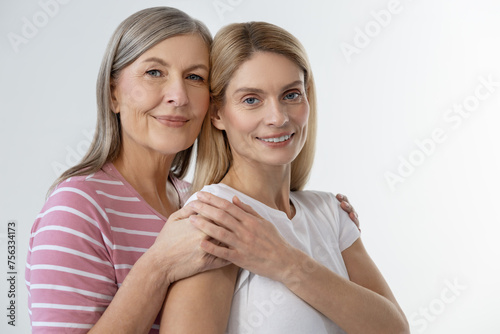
x=201 y=195
x=193 y=204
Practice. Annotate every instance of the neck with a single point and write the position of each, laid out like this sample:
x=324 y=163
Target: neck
x=269 y=185
x=148 y=175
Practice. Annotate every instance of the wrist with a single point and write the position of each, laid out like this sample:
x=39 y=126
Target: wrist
x=157 y=266
x=300 y=270
x=292 y=273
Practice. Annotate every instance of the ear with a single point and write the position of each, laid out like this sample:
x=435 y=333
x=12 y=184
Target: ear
x=114 y=101
x=215 y=116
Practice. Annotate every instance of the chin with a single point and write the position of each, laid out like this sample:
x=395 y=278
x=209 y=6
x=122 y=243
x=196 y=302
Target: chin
x=170 y=150
x=278 y=162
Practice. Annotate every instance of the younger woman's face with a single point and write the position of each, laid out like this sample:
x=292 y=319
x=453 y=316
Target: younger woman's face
x=266 y=110
x=162 y=97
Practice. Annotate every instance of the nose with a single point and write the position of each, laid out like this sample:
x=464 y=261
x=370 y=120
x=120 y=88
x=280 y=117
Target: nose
x=276 y=114
x=176 y=92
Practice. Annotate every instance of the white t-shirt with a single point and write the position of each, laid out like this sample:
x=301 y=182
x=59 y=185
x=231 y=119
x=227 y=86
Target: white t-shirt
x=319 y=228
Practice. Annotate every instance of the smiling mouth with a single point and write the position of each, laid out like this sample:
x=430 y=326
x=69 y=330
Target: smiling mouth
x=171 y=121
x=171 y=118
x=277 y=139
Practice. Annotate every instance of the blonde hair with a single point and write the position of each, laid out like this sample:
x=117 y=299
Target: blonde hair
x=233 y=45
x=134 y=36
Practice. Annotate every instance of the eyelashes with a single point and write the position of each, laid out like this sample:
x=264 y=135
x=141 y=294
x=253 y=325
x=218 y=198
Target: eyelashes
x=195 y=77
x=154 y=73
x=294 y=96
x=251 y=100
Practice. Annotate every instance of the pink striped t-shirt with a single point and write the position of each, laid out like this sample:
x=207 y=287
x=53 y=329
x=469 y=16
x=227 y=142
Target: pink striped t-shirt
x=89 y=234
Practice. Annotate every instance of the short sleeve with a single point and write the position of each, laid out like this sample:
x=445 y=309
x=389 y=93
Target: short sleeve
x=215 y=189
x=69 y=273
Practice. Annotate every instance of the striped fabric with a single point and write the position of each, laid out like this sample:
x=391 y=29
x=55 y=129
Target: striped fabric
x=89 y=234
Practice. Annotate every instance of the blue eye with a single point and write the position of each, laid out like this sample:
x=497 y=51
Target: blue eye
x=195 y=77
x=251 y=100
x=154 y=73
x=292 y=96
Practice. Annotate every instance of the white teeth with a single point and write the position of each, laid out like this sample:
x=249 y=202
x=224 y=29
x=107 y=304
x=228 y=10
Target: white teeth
x=276 y=140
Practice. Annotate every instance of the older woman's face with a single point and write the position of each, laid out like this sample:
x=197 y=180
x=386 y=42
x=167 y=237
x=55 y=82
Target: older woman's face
x=266 y=110
x=163 y=96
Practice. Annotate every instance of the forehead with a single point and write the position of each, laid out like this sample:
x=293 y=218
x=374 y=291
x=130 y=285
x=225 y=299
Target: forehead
x=187 y=48
x=266 y=70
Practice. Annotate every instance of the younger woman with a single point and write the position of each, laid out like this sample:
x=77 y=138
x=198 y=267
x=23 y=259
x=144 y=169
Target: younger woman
x=303 y=266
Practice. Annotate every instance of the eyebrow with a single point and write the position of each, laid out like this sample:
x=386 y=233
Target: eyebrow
x=163 y=63
x=295 y=83
x=155 y=60
x=260 y=91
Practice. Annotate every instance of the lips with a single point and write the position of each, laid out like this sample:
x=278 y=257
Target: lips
x=172 y=121
x=276 y=139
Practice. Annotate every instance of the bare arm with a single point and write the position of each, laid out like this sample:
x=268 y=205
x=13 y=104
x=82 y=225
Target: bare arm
x=201 y=303
x=136 y=304
x=363 y=305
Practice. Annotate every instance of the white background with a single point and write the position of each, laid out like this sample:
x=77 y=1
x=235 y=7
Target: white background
x=432 y=233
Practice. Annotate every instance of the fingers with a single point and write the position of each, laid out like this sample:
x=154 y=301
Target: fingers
x=344 y=204
x=342 y=198
x=221 y=242
x=182 y=213
x=213 y=262
x=216 y=215
x=219 y=233
x=347 y=207
x=217 y=209
x=223 y=253
x=219 y=203
x=247 y=208
x=354 y=218
x=236 y=209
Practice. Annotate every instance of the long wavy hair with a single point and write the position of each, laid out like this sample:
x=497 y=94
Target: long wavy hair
x=134 y=36
x=233 y=45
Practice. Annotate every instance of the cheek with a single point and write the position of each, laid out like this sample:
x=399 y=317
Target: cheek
x=303 y=115
x=144 y=98
x=137 y=96
x=240 y=124
x=200 y=100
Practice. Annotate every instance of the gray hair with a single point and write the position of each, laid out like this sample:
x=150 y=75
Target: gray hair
x=134 y=36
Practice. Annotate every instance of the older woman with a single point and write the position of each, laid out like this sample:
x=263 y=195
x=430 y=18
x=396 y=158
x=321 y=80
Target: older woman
x=101 y=256
x=304 y=267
